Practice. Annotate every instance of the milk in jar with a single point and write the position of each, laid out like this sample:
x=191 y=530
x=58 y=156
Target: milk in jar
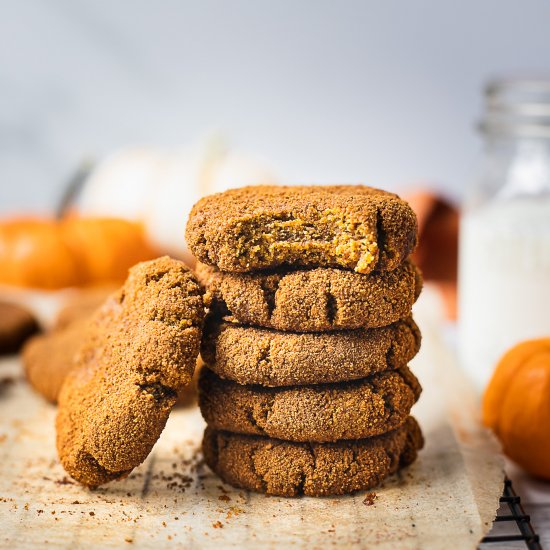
x=504 y=265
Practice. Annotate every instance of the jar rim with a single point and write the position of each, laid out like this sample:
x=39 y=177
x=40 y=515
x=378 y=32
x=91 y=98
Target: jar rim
x=517 y=107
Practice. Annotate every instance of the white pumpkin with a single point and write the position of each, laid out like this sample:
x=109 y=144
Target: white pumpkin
x=159 y=187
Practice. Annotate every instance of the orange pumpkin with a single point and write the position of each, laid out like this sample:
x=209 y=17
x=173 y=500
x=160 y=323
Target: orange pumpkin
x=51 y=254
x=516 y=405
x=106 y=247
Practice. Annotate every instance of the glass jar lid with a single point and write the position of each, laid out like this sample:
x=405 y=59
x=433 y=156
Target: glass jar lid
x=517 y=107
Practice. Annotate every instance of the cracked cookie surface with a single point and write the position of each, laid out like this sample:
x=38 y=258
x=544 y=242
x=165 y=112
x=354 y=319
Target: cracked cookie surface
x=286 y=468
x=138 y=352
x=349 y=226
x=322 y=413
x=319 y=299
x=253 y=355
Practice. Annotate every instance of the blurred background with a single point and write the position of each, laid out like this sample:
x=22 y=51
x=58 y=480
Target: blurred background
x=386 y=93
x=117 y=116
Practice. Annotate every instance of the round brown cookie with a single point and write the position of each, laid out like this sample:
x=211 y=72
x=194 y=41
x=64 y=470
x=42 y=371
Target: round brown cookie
x=350 y=226
x=47 y=358
x=252 y=355
x=326 y=412
x=139 y=351
x=313 y=300
x=17 y=324
x=289 y=469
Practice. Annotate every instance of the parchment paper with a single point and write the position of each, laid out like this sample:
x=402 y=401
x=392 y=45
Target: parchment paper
x=447 y=499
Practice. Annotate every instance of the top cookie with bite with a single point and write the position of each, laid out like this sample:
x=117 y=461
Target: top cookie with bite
x=347 y=226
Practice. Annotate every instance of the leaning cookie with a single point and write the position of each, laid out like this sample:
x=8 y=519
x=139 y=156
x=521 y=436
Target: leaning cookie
x=287 y=469
x=349 y=226
x=139 y=351
x=313 y=300
x=322 y=413
x=252 y=355
x=48 y=358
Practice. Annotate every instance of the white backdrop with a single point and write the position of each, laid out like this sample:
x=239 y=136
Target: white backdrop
x=386 y=93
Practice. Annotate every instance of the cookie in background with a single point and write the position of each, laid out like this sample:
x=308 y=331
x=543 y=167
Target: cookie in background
x=17 y=324
x=47 y=358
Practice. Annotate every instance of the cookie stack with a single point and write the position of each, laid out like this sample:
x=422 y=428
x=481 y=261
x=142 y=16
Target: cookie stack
x=307 y=389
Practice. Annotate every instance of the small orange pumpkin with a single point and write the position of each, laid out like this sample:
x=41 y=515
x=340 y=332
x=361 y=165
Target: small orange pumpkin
x=33 y=254
x=51 y=254
x=516 y=405
x=106 y=247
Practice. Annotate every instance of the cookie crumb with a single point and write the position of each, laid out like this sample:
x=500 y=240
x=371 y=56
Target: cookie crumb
x=64 y=481
x=369 y=499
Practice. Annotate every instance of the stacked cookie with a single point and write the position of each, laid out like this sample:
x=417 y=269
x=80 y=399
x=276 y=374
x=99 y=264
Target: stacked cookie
x=307 y=389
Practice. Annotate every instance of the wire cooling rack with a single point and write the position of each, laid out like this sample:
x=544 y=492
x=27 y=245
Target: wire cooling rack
x=511 y=514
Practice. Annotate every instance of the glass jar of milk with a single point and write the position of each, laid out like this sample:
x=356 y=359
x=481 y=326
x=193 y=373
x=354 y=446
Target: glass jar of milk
x=504 y=273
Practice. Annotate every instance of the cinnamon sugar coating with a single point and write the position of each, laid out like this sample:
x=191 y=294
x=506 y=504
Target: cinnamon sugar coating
x=349 y=226
x=286 y=468
x=139 y=351
x=323 y=413
x=319 y=299
x=48 y=358
x=253 y=355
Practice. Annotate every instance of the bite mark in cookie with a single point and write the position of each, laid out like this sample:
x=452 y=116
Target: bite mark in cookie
x=349 y=226
x=138 y=352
